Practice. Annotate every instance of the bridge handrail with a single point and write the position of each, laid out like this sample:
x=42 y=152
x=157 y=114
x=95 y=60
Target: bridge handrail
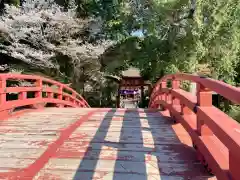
x=211 y=129
x=66 y=96
x=222 y=88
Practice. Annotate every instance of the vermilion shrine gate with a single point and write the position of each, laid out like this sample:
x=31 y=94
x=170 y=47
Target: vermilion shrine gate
x=131 y=88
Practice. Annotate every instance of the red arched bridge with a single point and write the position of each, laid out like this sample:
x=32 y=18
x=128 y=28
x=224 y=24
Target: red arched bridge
x=181 y=136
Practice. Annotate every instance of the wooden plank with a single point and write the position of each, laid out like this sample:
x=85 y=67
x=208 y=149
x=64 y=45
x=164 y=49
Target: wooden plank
x=113 y=144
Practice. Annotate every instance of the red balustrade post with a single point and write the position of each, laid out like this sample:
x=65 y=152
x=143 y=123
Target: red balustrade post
x=50 y=95
x=60 y=92
x=175 y=85
x=164 y=85
x=234 y=161
x=22 y=95
x=185 y=110
x=3 y=96
x=3 y=86
x=82 y=103
x=157 y=88
x=74 y=95
x=204 y=99
x=38 y=83
x=38 y=94
x=168 y=97
x=163 y=96
x=67 y=98
x=60 y=95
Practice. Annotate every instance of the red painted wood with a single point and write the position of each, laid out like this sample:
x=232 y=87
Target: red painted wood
x=110 y=144
x=226 y=90
x=34 y=168
x=210 y=129
x=204 y=96
x=72 y=98
x=2 y=90
x=185 y=110
x=187 y=98
x=215 y=135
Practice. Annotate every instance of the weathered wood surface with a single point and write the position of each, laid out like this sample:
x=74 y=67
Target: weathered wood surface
x=99 y=144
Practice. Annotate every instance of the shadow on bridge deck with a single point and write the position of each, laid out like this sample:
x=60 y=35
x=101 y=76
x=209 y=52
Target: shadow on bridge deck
x=90 y=144
x=139 y=145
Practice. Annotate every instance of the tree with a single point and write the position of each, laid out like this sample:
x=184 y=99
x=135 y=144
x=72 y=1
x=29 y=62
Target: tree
x=183 y=36
x=42 y=37
x=216 y=30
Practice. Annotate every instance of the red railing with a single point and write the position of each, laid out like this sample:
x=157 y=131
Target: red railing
x=42 y=91
x=215 y=135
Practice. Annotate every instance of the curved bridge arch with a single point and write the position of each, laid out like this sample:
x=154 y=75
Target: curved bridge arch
x=44 y=90
x=215 y=135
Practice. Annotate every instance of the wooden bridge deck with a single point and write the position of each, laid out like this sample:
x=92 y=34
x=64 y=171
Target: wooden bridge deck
x=99 y=144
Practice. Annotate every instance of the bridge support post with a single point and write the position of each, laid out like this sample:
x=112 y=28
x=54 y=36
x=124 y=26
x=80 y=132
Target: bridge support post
x=175 y=101
x=74 y=95
x=38 y=94
x=164 y=95
x=22 y=95
x=60 y=93
x=3 y=97
x=175 y=85
x=204 y=99
x=60 y=96
x=234 y=161
x=3 y=86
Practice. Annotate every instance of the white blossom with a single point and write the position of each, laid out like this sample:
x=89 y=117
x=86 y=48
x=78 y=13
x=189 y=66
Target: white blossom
x=39 y=30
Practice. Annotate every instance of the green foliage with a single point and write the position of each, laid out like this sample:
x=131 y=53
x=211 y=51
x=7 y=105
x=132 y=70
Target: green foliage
x=217 y=34
x=178 y=35
x=13 y=2
x=166 y=37
x=235 y=112
x=176 y=40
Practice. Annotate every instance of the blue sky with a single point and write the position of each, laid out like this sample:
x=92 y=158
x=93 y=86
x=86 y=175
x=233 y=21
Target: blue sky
x=137 y=33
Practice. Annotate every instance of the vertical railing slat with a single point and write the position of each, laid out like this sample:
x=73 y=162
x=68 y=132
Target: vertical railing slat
x=39 y=84
x=3 y=86
x=204 y=99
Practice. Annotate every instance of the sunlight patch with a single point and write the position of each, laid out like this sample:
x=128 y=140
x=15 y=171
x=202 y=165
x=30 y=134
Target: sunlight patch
x=154 y=165
x=114 y=136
